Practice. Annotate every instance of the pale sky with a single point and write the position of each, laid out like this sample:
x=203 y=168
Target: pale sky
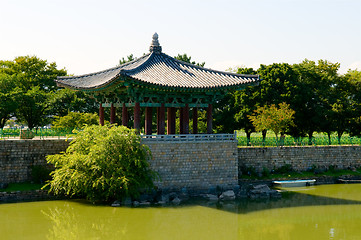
x=86 y=36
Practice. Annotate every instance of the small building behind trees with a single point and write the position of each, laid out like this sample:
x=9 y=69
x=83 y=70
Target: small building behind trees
x=158 y=82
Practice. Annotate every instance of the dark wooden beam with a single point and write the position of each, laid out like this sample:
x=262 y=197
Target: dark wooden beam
x=101 y=114
x=209 y=119
x=181 y=121
x=195 y=120
x=171 y=120
x=148 y=120
x=186 y=119
x=137 y=117
x=161 y=120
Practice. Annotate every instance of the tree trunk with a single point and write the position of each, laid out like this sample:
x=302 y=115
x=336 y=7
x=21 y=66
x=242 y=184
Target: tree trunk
x=339 y=135
x=248 y=134
x=282 y=139
x=264 y=134
x=310 y=136
x=329 y=138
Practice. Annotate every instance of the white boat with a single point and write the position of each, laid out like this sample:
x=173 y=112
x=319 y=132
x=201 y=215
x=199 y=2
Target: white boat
x=295 y=183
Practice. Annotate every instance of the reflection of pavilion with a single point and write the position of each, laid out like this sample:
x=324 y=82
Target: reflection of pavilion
x=159 y=81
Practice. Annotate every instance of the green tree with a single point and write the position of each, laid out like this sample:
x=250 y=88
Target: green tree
x=277 y=85
x=184 y=58
x=31 y=71
x=277 y=119
x=34 y=79
x=74 y=120
x=8 y=95
x=33 y=107
x=102 y=163
x=129 y=59
x=353 y=79
x=312 y=102
x=67 y=100
x=245 y=104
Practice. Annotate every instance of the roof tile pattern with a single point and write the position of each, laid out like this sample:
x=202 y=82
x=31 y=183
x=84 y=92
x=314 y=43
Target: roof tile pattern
x=160 y=69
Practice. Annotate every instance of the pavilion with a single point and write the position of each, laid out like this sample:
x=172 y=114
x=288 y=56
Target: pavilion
x=159 y=81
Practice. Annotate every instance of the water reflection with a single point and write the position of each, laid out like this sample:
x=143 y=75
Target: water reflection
x=325 y=212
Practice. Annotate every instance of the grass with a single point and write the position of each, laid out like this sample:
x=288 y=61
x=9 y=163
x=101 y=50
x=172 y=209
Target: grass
x=319 y=139
x=41 y=132
x=14 y=187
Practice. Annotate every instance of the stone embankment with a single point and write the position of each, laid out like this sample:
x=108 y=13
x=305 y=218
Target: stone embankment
x=250 y=191
x=25 y=196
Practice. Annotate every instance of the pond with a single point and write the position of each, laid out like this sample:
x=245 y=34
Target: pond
x=320 y=212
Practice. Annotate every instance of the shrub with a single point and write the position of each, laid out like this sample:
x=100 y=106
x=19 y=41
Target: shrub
x=102 y=163
x=40 y=174
x=74 y=120
x=287 y=168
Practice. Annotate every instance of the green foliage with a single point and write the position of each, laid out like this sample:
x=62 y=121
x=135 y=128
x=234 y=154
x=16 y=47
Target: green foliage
x=8 y=96
x=353 y=79
x=129 y=59
x=272 y=118
x=40 y=174
x=184 y=58
x=13 y=187
x=66 y=100
x=74 y=120
x=102 y=163
x=31 y=72
x=33 y=107
x=248 y=171
x=287 y=168
x=313 y=98
x=32 y=90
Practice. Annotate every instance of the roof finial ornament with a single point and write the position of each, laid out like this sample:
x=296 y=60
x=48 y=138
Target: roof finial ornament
x=155 y=46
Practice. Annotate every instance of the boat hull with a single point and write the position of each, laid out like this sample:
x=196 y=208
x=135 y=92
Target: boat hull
x=294 y=183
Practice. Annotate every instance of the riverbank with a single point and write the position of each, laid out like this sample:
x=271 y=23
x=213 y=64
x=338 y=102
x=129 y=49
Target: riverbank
x=245 y=189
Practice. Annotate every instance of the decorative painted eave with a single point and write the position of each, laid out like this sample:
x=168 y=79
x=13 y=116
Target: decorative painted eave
x=158 y=70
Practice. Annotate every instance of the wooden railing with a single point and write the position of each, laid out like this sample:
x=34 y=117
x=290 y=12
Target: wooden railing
x=191 y=137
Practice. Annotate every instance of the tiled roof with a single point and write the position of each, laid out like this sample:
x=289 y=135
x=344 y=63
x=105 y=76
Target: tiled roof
x=159 y=69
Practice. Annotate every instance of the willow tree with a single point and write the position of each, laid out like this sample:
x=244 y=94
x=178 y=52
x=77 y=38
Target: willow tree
x=102 y=163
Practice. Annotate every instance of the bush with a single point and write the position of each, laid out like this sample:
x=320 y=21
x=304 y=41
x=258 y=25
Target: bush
x=74 y=120
x=102 y=163
x=40 y=174
x=287 y=168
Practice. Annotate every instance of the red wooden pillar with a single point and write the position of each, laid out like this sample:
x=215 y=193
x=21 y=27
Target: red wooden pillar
x=124 y=116
x=195 y=120
x=161 y=120
x=148 y=120
x=137 y=116
x=181 y=121
x=186 y=119
x=101 y=114
x=171 y=120
x=112 y=114
x=209 y=119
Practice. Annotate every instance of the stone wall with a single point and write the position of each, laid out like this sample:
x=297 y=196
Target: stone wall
x=18 y=156
x=192 y=165
x=300 y=158
x=195 y=165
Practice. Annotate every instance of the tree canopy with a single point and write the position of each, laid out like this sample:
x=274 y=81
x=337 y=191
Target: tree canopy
x=103 y=163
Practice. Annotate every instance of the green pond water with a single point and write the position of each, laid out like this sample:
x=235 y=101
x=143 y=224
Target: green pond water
x=321 y=212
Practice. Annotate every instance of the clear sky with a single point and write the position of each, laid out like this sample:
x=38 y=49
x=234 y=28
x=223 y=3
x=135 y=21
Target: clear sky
x=86 y=36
